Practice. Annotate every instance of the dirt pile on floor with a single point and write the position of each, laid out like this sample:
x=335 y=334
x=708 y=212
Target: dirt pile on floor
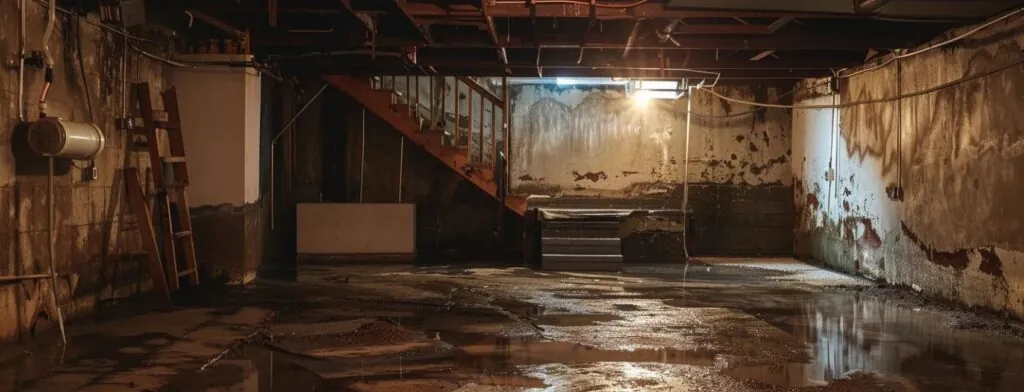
x=376 y=333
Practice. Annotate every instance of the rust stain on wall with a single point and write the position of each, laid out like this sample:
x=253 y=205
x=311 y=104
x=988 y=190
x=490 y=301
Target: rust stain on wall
x=563 y=133
x=990 y=262
x=757 y=169
x=868 y=237
x=958 y=259
x=812 y=201
x=958 y=151
x=593 y=177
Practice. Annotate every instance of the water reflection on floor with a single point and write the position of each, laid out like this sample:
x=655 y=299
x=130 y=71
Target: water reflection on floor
x=722 y=328
x=916 y=349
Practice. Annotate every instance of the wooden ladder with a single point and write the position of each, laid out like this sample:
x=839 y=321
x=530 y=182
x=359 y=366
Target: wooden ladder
x=170 y=179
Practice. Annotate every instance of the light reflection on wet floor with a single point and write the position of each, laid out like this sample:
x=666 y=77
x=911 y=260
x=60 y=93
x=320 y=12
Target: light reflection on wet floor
x=841 y=333
x=725 y=329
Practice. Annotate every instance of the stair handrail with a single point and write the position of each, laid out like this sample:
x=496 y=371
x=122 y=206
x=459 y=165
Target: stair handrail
x=473 y=84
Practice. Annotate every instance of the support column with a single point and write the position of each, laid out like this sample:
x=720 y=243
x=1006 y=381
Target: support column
x=220 y=116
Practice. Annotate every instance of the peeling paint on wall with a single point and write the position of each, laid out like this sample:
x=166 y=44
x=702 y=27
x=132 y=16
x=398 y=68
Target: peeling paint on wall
x=952 y=156
x=595 y=141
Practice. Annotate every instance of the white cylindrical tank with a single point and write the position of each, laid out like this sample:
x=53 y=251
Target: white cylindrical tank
x=66 y=139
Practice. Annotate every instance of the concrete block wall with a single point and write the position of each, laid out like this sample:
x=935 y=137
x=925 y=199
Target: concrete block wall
x=97 y=239
x=955 y=155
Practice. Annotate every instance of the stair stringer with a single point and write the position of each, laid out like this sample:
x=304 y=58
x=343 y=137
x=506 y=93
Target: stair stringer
x=379 y=102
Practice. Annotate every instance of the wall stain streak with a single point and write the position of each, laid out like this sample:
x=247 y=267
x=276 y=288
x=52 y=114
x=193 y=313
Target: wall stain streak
x=593 y=177
x=868 y=237
x=957 y=259
x=563 y=134
x=990 y=263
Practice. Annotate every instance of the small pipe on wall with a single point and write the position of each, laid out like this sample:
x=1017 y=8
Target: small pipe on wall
x=22 y=113
x=48 y=76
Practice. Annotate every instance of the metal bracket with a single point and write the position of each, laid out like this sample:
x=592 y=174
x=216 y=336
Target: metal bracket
x=124 y=123
x=35 y=59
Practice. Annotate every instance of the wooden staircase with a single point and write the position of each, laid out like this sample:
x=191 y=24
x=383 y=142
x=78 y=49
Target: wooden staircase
x=460 y=144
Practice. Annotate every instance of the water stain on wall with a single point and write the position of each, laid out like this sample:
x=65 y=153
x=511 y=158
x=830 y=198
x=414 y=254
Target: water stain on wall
x=582 y=138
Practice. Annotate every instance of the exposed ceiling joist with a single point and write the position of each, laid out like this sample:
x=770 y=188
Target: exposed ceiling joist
x=346 y=6
x=572 y=71
x=493 y=32
x=778 y=41
x=519 y=58
x=424 y=33
x=644 y=11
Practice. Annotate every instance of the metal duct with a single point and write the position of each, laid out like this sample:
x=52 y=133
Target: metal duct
x=66 y=139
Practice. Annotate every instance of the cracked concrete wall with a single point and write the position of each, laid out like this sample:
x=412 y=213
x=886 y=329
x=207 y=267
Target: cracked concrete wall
x=593 y=141
x=97 y=239
x=955 y=155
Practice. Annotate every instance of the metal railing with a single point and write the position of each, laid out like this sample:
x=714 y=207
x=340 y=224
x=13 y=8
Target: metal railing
x=467 y=113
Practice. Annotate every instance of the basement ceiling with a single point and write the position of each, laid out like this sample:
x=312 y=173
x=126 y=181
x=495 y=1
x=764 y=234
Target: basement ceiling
x=741 y=39
x=881 y=8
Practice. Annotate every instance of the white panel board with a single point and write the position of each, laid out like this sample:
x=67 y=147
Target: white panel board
x=356 y=229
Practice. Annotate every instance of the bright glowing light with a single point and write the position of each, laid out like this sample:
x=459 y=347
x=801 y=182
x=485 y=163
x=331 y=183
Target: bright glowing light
x=565 y=81
x=659 y=85
x=641 y=100
x=654 y=94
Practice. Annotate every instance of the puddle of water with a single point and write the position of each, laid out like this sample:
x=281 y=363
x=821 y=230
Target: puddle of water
x=98 y=352
x=846 y=334
x=706 y=335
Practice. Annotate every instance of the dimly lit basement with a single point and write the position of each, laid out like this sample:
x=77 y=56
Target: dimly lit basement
x=511 y=195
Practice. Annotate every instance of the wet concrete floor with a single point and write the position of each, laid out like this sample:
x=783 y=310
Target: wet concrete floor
x=715 y=325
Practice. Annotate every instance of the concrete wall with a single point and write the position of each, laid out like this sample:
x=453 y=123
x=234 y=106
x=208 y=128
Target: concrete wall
x=97 y=236
x=592 y=141
x=954 y=154
x=220 y=110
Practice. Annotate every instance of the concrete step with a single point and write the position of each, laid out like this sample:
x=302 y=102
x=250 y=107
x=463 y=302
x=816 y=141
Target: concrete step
x=575 y=262
x=579 y=229
x=582 y=246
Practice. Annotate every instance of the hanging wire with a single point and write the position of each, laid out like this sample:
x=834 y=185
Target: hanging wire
x=942 y=86
x=935 y=46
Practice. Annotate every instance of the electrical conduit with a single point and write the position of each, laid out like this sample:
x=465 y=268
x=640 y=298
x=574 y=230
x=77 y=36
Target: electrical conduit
x=51 y=17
